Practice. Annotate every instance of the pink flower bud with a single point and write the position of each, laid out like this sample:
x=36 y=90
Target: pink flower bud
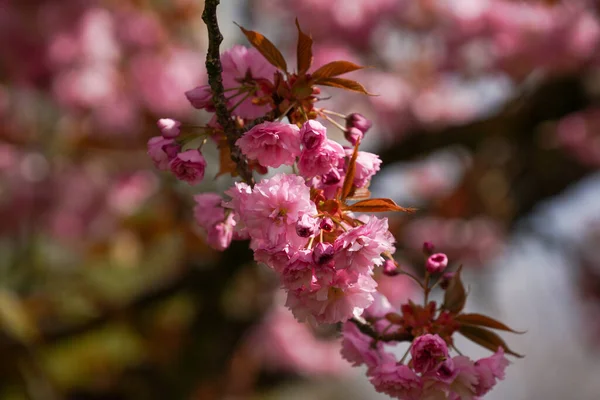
x=313 y=134
x=436 y=263
x=353 y=135
x=189 y=166
x=390 y=268
x=359 y=122
x=428 y=248
x=428 y=353
x=332 y=177
x=169 y=128
x=201 y=98
x=323 y=253
x=306 y=226
x=446 y=278
x=326 y=224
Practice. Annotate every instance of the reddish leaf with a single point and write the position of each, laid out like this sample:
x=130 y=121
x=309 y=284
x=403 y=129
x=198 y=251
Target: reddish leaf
x=377 y=205
x=359 y=194
x=304 y=51
x=455 y=295
x=482 y=320
x=335 y=68
x=266 y=48
x=226 y=165
x=486 y=338
x=343 y=84
x=349 y=179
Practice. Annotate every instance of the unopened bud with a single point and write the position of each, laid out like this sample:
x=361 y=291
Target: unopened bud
x=306 y=226
x=323 y=253
x=390 y=268
x=353 y=135
x=169 y=128
x=359 y=122
x=326 y=224
x=445 y=280
x=332 y=177
x=428 y=248
x=313 y=134
x=436 y=263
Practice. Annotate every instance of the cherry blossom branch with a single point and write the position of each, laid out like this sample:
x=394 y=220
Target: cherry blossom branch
x=214 y=70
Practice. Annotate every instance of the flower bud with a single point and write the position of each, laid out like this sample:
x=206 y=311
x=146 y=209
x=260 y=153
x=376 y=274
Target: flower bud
x=306 y=226
x=201 y=98
x=313 y=134
x=326 y=224
x=445 y=280
x=323 y=253
x=390 y=268
x=332 y=177
x=169 y=128
x=353 y=135
x=359 y=122
x=428 y=353
x=189 y=166
x=436 y=263
x=428 y=248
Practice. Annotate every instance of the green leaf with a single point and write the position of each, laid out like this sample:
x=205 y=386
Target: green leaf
x=303 y=51
x=483 y=320
x=335 y=68
x=455 y=296
x=486 y=338
x=266 y=48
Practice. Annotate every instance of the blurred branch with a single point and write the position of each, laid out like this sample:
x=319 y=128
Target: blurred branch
x=536 y=172
x=215 y=80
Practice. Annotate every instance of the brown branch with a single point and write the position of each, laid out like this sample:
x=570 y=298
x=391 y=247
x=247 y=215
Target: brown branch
x=214 y=70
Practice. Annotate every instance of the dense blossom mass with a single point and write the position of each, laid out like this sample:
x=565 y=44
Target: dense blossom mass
x=312 y=222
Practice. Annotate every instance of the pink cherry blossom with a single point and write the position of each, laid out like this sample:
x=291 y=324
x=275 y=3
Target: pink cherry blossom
x=219 y=236
x=272 y=144
x=490 y=369
x=313 y=134
x=208 y=210
x=359 y=249
x=436 y=263
x=189 y=166
x=360 y=349
x=320 y=160
x=156 y=151
x=243 y=65
x=428 y=352
x=395 y=380
x=367 y=165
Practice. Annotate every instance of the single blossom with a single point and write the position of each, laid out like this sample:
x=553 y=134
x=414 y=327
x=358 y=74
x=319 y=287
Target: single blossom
x=321 y=160
x=159 y=150
x=313 y=134
x=436 y=263
x=169 y=128
x=428 y=352
x=272 y=144
x=189 y=166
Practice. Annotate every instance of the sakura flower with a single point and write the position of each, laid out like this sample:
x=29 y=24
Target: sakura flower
x=158 y=150
x=320 y=160
x=307 y=226
x=313 y=134
x=243 y=66
x=208 y=210
x=189 y=166
x=436 y=263
x=490 y=369
x=360 y=248
x=271 y=144
x=359 y=348
x=367 y=165
x=220 y=235
x=428 y=352
x=395 y=380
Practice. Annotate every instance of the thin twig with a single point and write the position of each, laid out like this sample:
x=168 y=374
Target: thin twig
x=214 y=70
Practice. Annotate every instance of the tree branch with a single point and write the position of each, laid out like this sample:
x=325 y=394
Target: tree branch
x=214 y=70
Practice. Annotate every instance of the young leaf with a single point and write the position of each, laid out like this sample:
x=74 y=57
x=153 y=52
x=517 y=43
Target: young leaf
x=304 y=51
x=483 y=320
x=377 y=205
x=349 y=179
x=266 y=48
x=486 y=338
x=359 y=194
x=455 y=295
x=226 y=165
x=335 y=68
x=343 y=84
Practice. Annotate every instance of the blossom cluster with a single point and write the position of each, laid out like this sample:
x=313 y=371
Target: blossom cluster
x=314 y=224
